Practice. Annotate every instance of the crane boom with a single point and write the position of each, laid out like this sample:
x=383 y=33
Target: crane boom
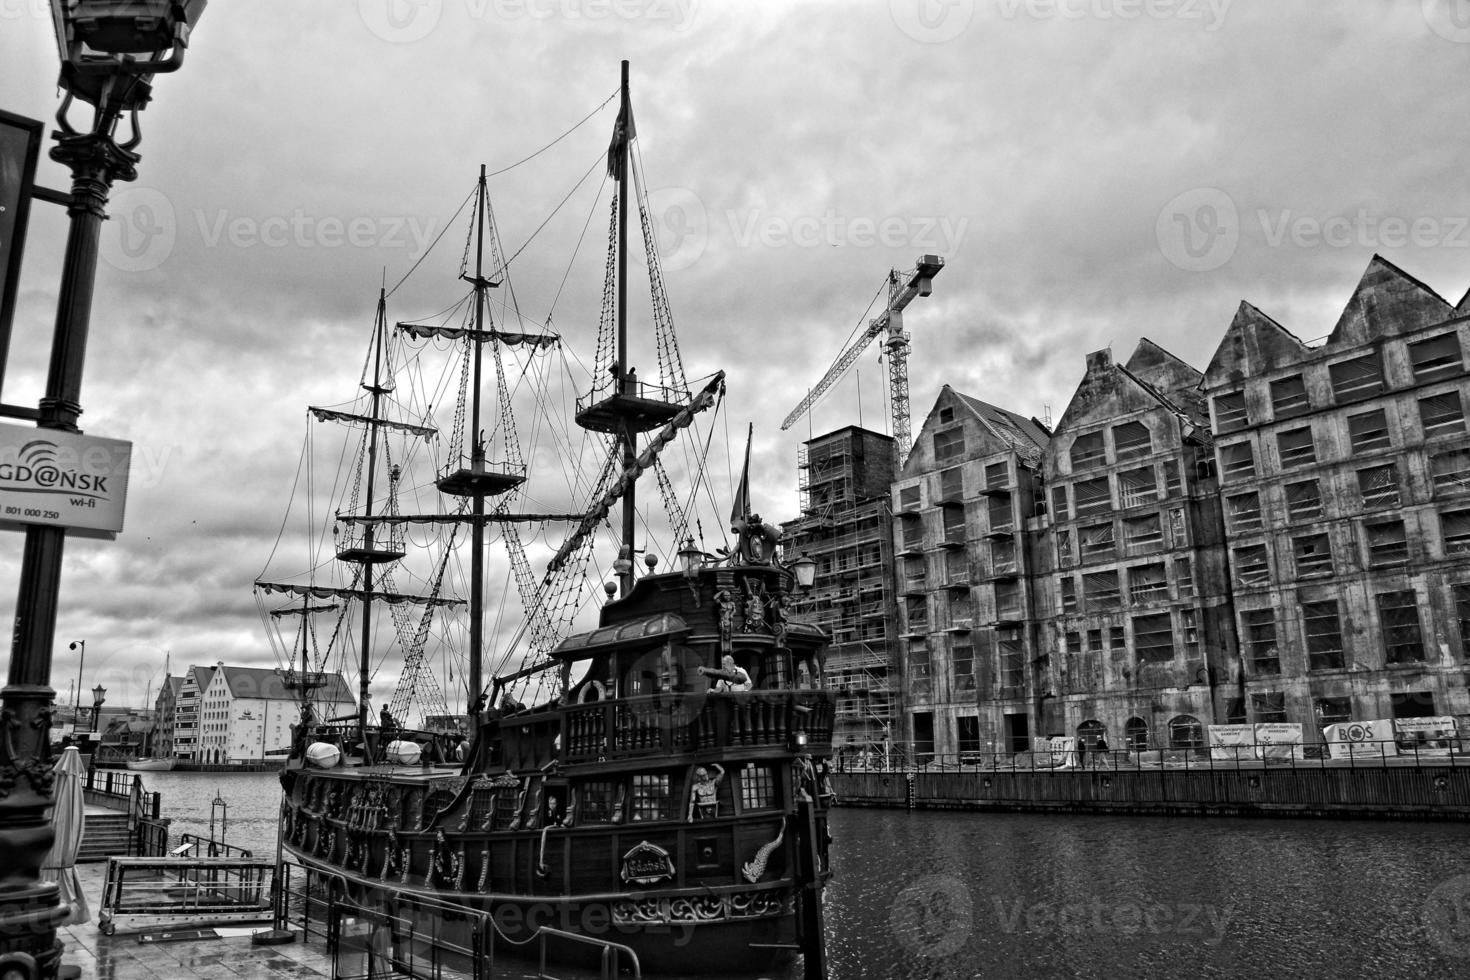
x=917 y=282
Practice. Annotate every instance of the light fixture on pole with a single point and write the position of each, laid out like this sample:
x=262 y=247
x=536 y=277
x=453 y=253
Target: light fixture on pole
x=110 y=52
x=99 y=698
x=76 y=701
x=805 y=570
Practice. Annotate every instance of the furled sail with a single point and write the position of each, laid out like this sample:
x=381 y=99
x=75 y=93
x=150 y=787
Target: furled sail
x=331 y=592
x=420 y=331
x=332 y=415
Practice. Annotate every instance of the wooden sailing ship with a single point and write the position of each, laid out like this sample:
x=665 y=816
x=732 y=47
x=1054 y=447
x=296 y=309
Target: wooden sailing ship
x=669 y=791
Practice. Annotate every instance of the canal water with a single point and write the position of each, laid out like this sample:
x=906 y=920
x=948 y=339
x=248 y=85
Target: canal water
x=928 y=895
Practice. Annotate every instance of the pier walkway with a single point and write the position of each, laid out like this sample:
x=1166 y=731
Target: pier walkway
x=229 y=957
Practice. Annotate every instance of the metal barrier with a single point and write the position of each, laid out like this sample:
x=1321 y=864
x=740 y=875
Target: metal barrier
x=611 y=953
x=408 y=936
x=415 y=936
x=1246 y=755
x=143 y=892
x=208 y=847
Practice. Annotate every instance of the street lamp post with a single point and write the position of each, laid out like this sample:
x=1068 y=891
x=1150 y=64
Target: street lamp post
x=109 y=54
x=76 y=702
x=99 y=698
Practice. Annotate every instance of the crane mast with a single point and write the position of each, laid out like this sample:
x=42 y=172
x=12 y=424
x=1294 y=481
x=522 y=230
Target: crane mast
x=902 y=289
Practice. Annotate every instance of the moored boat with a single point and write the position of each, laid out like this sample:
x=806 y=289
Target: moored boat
x=152 y=764
x=656 y=779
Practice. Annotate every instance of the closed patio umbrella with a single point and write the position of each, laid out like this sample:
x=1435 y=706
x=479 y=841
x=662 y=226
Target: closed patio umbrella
x=67 y=817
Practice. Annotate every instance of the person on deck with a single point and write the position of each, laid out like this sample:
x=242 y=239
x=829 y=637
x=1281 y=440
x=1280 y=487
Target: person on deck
x=733 y=677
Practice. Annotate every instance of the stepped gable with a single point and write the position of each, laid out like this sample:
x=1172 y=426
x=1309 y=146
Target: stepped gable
x=1025 y=435
x=1387 y=301
x=1174 y=380
x=1254 y=344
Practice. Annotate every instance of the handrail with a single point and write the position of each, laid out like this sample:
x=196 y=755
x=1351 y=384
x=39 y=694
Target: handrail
x=609 y=967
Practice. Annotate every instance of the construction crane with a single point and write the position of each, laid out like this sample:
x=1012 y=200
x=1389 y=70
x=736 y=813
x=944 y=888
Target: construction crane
x=902 y=288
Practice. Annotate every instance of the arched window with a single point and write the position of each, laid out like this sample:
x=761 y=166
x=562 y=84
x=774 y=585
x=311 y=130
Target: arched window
x=1089 y=732
x=1185 y=732
x=1135 y=733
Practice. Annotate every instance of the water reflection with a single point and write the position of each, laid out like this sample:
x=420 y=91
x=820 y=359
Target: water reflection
x=947 y=895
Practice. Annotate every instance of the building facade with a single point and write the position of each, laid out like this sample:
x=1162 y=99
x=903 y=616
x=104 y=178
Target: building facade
x=1140 y=631
x=246 y=713
x=186 y=722
x=1283 y=537
x=165 y=711
x=965 y=573
x=845 y=527
x=1346 y=482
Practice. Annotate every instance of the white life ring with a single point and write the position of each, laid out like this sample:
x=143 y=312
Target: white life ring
x=598 y=686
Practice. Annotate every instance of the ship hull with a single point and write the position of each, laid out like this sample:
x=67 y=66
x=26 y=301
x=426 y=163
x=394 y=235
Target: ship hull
x=665 y=945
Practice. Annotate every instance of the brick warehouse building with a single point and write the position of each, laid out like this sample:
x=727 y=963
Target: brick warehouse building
x=1139 y=622
x=1283 y=537
x=1345 y=472
x=964 y=504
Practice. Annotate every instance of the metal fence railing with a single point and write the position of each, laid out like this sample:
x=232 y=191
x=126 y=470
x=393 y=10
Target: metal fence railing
x=908 y=758
x=416 y=936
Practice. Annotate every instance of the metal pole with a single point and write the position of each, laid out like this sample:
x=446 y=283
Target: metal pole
x=30 y=909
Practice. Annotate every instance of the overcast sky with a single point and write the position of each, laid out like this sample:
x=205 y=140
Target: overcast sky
x=1092 y=172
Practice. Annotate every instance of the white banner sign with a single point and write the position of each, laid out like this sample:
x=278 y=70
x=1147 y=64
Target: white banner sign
x=63 y=479
x=1232 y=742
x=1057 y=752
x=1277 y=740
x=1425 y=736
x=1266 y=740
x=1361 y=739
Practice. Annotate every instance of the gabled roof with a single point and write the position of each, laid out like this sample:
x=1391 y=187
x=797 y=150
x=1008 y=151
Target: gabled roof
x=201 y=675
x=1388 y=295
x=267 y=684
x=1253 y=344
x=1025 y=435
x=1112 y=389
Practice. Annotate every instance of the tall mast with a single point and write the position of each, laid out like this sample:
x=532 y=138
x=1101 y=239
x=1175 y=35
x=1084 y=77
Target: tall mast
x=628 y=435
x=477 y=463
x=377 y=390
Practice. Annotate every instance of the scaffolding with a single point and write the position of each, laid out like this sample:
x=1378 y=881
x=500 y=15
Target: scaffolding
x=846 y=528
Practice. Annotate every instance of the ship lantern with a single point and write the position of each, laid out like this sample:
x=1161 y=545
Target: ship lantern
x=805 y=570
x=690 y=558
x=103 y=42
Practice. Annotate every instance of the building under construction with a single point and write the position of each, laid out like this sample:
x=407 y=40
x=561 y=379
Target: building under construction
x=846 y=527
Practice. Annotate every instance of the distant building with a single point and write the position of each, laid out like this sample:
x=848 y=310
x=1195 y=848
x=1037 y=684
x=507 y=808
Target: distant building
x=846 y=527
x=1345 y=471
x=165 y=710
x=186 y=721
x=246 y=713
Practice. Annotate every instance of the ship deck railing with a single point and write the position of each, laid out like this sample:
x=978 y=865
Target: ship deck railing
x=144 y=892
x=794 y=720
